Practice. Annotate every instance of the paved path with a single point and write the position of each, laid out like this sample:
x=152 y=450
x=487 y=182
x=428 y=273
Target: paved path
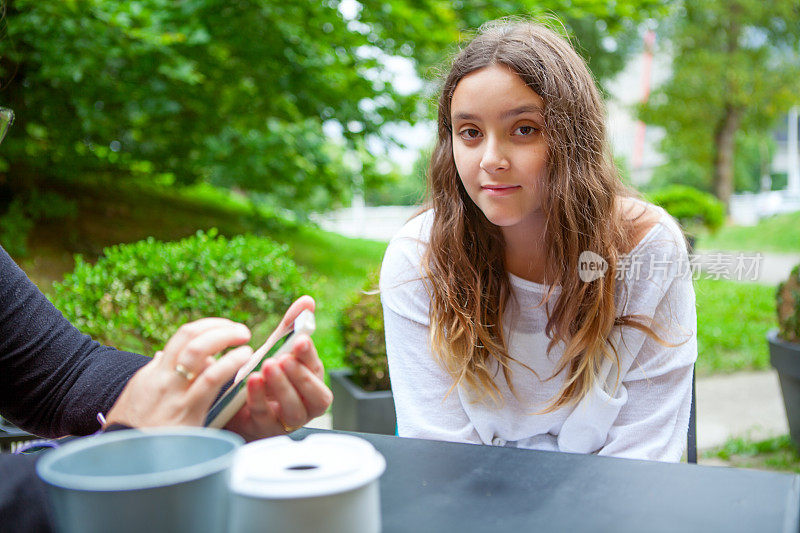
x=744 y=404
x=754 y=267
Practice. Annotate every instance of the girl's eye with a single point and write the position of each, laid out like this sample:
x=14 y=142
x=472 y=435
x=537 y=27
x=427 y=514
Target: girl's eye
x=469 y=134
x=525 y=130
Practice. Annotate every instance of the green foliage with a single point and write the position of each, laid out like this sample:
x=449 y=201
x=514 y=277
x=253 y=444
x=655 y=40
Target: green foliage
x=680 y=170
x=780 y=180
x=754 y=153
x=690 y=161
x=24 y=211
x=361 y=325
x=405 y=189
x=733 y=319
x=137 y=295
x=741 y=446
x=778 y=453
x=236 y=94
x=735 y=68
x=623 y=169
x=788 y=306
x=15 y=225
x=691 y=207
x=194 y=90
x=603 y=32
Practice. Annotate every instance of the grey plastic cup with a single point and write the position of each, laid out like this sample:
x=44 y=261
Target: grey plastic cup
x=156 y=480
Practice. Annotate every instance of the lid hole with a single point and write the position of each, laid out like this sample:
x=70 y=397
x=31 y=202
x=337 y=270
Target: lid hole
x=302 y=467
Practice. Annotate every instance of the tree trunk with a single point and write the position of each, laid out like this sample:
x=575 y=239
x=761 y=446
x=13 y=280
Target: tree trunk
x=724 y=146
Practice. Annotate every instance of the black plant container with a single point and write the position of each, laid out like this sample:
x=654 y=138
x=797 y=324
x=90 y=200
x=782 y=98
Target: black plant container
x=355 y=409
x=785 y=358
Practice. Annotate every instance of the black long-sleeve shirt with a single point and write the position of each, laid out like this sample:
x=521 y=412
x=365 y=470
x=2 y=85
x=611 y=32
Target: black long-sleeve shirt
x=53 y=382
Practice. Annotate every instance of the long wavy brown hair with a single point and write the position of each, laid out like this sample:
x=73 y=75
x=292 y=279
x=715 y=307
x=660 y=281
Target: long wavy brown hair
x=464 y=265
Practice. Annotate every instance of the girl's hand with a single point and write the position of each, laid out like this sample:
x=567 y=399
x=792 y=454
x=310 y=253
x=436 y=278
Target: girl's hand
x=178 y=387
x=288 y=391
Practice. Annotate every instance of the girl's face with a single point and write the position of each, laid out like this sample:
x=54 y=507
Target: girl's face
x=499 y=145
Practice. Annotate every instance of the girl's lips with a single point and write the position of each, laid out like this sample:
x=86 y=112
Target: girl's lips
x=500 y=190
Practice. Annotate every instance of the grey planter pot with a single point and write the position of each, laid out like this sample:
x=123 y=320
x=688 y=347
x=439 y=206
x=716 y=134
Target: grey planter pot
x=355 y=409
x=785 y=358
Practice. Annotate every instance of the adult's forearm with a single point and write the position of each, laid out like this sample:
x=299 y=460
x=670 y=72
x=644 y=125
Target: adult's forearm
x=53 y=379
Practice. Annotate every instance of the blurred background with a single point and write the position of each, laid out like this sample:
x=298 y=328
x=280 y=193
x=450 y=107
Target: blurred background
x=174 y=159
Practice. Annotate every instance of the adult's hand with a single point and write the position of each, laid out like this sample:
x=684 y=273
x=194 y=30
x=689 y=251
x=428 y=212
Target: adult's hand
x=178 y=387
x=288 y=391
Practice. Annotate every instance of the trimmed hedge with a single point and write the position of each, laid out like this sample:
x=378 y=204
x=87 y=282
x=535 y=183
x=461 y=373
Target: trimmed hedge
x=137 y=295
x=693 y=208
x=788 y=306
x=361 y=325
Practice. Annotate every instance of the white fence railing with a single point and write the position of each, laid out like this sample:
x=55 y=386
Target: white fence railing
x=377 y=223
x=748 y=208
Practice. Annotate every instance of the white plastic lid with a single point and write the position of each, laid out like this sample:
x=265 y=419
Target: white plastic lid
x=319 y=465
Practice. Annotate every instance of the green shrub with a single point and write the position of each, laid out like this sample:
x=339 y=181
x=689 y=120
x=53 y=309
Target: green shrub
x=691 y=207
x=361 y=325
x=15 y=226
x=22 y=214
x=138 y=294
x=788 y=306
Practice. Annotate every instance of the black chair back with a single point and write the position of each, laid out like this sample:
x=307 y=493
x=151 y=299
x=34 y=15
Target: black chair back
x=691 y=437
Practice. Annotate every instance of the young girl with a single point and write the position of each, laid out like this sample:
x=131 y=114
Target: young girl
x=536 y=303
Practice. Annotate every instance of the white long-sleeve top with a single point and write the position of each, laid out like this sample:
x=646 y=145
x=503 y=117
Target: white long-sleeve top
x=642 y=415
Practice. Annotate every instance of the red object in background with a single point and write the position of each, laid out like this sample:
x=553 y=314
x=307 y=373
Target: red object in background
x=641 y=128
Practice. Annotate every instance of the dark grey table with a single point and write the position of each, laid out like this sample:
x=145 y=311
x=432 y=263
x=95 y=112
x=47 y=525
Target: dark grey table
x=441 y=486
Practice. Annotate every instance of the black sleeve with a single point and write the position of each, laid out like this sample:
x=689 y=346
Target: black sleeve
x=53 y=379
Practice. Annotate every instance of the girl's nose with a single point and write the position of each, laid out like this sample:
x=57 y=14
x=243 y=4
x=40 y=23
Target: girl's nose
x=494 y=158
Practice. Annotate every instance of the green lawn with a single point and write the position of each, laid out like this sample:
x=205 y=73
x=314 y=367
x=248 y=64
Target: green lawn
x=732 y=321
x=778 y=454
x=780 y=234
